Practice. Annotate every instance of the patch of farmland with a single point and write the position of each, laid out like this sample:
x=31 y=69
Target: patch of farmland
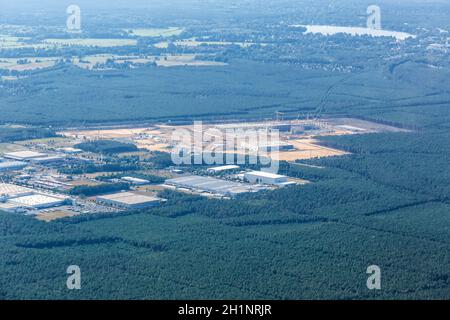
x=7 y=42
x=27 y=64
x=90 y=42
x=93 y=62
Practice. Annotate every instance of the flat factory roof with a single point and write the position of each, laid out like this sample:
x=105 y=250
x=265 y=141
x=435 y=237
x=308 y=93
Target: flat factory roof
x=11 y=190
x=11 y=164
x=36 y=200
x=135 y=180
x=71 y=150
x=212 y=185
x=24 y=155
x=47 y=159
x=9 y=205
x=129 y=198
x=224 y=168
x=265 y=174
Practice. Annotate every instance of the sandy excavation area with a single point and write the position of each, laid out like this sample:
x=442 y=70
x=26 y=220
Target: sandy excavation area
x=308 y=149
x=306 y=144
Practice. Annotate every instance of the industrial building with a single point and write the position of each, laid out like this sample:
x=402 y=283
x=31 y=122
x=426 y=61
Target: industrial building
x=70 y=150
x=10 y=191
x=14 y=198
x=39 y=201
x=262 y=177
x=11 y=207
x=12 y=165
x=135 y=181
x=223 y=168
x=48 y=182
x=130 y=200
x=213 y=186
x=47 y=160
x=24 y=155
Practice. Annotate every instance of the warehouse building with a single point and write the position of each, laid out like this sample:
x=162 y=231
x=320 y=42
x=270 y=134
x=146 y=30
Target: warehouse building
x=14 y=198
x=70 y=150
x=130 y=200
x=24 y=155
x=223 y=169
x=39 y=201
x=135 y=181
x=12 y=166
x=47 y=160
x=262 y=177
x=213 y=186
x=11 y=207
x=10 y=191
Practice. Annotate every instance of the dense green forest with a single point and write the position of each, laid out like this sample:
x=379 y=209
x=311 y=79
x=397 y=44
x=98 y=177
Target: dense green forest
x=106 y=147
x=93 y=168
x=9 y=134
x=89 y=191
x=244 y=89
x=382 y=205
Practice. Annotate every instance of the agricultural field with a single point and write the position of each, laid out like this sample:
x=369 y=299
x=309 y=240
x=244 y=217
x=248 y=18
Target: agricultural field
x=83 y=42
x=28 y=64
x=11 y=42
x=14 y=43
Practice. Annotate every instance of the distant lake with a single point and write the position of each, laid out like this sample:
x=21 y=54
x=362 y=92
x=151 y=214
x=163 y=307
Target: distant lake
x=354 y=31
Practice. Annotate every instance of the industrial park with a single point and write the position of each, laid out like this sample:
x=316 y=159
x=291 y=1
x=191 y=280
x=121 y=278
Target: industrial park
x=51 y=179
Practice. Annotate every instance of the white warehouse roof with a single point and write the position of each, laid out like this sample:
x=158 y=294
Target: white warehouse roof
x=23 y=155
x=71 y=150
x=135 y=180
x=9 y=165
x=12 y=190
x=265 y=174
x=129 y=198
x=38 y=201
x=223 y=168
x=46 y=159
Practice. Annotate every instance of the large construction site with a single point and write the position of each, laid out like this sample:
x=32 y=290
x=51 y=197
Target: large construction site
x=297 y=139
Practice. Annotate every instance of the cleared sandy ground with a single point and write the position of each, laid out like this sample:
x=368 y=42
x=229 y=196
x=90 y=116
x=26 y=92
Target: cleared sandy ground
x=54 y=215
x=306 y=145
x=308 y=149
